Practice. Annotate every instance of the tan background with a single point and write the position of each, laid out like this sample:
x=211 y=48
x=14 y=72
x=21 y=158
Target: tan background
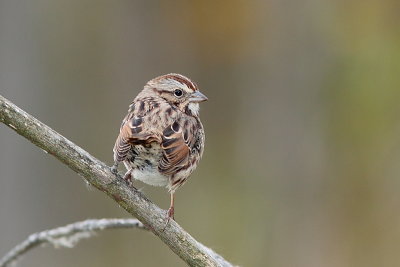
x=301 y=166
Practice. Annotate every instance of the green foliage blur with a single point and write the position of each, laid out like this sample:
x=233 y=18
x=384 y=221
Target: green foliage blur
x=301 y=166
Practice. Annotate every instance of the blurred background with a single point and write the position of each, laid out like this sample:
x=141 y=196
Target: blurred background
x=301 y=166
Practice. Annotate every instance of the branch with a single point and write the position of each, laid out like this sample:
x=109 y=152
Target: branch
x=100 y=176
x=67 y=236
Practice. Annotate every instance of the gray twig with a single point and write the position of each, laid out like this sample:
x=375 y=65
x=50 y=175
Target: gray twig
x=67 y=236
x=100 y=176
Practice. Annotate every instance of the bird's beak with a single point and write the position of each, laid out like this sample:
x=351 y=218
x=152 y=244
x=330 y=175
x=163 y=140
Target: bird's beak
x=197 y=97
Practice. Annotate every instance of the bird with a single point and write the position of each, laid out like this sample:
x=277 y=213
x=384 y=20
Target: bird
x=161 y=139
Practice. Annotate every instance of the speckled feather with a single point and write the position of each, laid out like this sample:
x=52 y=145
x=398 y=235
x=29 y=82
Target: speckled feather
x=161 y=139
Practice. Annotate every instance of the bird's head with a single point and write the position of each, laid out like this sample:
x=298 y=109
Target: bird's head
x=179 y=91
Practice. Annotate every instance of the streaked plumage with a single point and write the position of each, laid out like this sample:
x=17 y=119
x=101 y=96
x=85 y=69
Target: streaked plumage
x=161 y=139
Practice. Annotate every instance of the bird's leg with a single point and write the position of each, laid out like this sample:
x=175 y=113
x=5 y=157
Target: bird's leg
x=170 y=211
x=128 y=178
x=114 y=168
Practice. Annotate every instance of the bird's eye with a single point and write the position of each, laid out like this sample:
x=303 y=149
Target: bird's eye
x=178 y=92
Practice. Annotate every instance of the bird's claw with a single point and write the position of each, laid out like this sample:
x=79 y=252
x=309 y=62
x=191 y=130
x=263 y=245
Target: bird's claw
x=170 y=215
x=171 y=212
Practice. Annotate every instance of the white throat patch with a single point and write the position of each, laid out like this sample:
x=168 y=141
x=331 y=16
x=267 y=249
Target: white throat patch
x=194 y=108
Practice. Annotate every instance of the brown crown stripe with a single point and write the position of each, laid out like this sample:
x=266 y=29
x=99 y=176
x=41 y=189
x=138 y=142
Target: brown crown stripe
x=183 y=80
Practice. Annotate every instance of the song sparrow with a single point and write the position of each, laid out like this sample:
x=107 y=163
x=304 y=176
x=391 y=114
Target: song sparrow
x=161 y=139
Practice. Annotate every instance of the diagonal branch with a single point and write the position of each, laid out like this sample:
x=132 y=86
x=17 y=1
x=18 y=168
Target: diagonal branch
x=100 y=176
x=67 y=236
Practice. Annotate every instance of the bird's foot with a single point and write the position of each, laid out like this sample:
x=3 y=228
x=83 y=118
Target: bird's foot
x=171 y=212
x=170 y=215
x=128 y=178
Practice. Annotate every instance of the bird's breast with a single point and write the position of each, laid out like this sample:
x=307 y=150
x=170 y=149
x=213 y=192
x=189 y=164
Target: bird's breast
x=150 y=176
x=143 y=161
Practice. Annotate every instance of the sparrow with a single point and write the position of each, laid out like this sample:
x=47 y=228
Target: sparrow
x=161 y=139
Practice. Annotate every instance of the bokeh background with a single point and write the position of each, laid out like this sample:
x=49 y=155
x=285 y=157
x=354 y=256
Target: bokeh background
x=301 y=166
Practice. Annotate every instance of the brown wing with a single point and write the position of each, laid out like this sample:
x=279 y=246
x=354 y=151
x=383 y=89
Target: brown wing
x=175 y=149
x=133 y=132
